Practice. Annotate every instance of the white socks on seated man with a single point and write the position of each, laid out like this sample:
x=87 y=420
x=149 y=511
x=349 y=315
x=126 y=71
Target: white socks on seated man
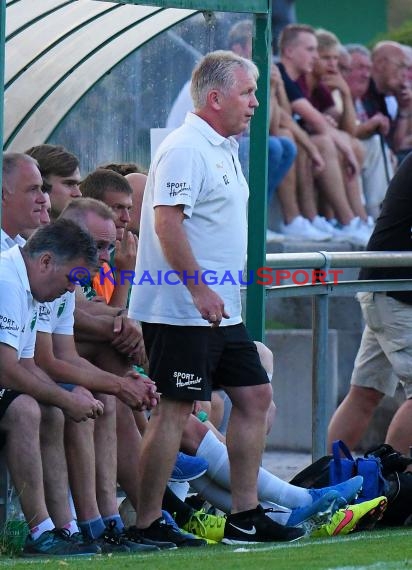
x=270 y=487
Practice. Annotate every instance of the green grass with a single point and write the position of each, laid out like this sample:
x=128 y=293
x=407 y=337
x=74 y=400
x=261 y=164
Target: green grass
x=377 y=550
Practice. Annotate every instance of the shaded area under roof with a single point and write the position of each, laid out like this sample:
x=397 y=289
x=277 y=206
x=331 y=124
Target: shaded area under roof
x=54 y=55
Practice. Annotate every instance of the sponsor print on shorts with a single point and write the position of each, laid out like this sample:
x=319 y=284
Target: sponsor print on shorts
x=187 y=380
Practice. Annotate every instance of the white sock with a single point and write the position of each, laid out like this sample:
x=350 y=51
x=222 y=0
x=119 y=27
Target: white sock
x=270 y=487
x=179 y=488
x=280 y=514
x=222 y=499
x=72 y=527
x=44 y=526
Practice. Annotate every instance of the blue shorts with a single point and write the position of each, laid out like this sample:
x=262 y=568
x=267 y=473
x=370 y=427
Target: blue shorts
x=66 y=386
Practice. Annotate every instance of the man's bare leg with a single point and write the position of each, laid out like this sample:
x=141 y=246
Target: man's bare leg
x=352 y=417
x=245 y=440
x=287 y=190
x=305 y=185
x=160 y=446
x=399 y=433
x=129 y=443
x=330 y=179
x=21 y=422
x=105 y=444
x=56 y=482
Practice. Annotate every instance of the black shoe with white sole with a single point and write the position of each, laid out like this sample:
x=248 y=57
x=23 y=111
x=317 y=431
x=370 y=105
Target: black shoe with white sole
x=255 y=526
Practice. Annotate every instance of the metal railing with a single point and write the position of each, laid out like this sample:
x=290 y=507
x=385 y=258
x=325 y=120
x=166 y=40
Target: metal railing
x=320 y=293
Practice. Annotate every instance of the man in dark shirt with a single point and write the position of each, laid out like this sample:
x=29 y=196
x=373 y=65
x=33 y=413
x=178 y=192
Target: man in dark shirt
x=389 y=77
x=385 y=354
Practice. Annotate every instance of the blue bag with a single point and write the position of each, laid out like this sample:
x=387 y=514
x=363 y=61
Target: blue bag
x=343 y=468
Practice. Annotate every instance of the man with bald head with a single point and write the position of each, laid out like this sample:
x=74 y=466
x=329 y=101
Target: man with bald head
x=390 y=77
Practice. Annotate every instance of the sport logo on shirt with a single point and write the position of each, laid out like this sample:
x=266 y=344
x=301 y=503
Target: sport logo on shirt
x=7 y=324
x=178 y=189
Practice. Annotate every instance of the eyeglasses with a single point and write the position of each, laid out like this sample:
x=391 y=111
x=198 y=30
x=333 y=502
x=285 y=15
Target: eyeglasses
x=104 y=246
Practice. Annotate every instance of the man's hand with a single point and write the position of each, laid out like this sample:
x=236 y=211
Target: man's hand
x=317 y=160
x=83 y=406
x=138 y=392
x=210 y=305
x=127 y=335
x=336 y=81
x=125 y=252
x=350 y=162
x=379 y=123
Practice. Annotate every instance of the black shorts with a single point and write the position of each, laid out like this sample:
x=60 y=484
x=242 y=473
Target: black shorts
x=187 y=363
x=6 y=398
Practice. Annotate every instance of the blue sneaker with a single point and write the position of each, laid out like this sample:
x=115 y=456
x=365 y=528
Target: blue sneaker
x=348 y=490
x=318 y=513
x=188 y=467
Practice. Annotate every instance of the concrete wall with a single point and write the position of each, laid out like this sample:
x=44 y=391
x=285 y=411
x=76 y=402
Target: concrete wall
x=292 y=387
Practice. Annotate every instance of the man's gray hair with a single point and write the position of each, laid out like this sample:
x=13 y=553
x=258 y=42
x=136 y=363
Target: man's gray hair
x=11 y=163
x=358 y=48
x=65 y=240
x=216 y=71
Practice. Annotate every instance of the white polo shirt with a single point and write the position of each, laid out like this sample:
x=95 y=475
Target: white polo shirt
x=7 y=242
x=18 y=308
x=199 y=169
x=57 y=317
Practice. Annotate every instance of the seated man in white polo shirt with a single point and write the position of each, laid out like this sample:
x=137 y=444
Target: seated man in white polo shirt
x=38 y=272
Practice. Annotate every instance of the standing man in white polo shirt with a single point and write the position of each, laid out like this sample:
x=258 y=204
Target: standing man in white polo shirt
x=193 y=221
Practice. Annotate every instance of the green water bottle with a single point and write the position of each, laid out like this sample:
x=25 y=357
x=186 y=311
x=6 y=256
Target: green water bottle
x=16 y=528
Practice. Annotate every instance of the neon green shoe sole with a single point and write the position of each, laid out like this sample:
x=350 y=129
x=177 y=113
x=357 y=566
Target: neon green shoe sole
x=362 y=516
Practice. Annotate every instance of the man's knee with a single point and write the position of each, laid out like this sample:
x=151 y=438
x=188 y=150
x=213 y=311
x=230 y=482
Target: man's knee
x=365 y=397
x=255 y=400
x=176 y=411
x=25 y=412
x=52 y=418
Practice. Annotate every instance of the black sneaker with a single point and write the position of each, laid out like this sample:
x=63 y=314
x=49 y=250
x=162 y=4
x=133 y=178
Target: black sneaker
x=133 y=534
x=255 y=526
x=113 y=536
x=163 y=530
x=110 y=541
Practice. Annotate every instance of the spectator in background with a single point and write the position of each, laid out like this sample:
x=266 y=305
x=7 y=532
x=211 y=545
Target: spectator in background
x=377 y=168
x=330 y=94
x=390 y=76
x=281 y=149
x=298 y=48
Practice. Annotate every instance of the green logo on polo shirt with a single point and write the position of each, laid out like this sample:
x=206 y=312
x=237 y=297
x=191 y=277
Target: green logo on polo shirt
x=61 y=308
x=33 y=321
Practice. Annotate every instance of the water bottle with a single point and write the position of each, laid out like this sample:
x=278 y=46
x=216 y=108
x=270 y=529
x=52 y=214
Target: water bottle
x=16 y=528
